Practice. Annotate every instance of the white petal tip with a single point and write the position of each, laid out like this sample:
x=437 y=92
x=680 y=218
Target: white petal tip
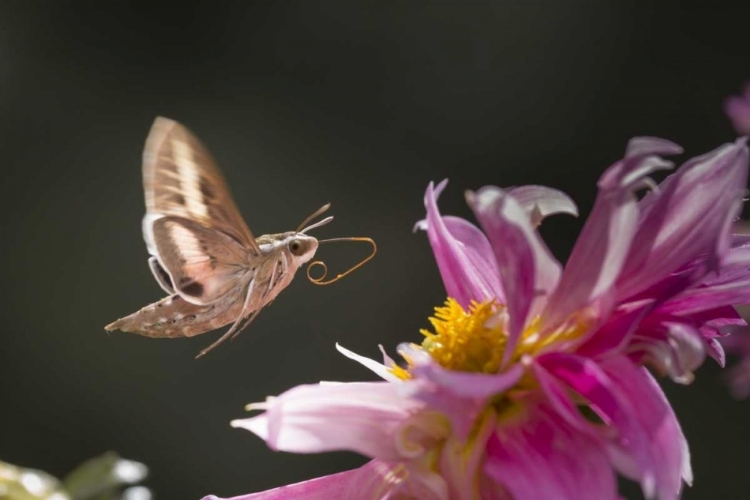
x=256 y=406
x=470 y=197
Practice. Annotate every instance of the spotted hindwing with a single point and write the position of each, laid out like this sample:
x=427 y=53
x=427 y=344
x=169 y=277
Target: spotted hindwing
x=203 y=264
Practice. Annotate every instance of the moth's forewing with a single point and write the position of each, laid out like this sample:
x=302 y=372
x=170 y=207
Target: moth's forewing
x=180 y=178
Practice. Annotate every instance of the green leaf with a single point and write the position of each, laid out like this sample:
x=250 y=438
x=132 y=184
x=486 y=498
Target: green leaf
x=103 y=476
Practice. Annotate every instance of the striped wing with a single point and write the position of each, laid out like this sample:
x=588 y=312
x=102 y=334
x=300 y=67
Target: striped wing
x=181 y=179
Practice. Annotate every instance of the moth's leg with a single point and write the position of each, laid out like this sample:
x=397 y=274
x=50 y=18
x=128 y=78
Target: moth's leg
x=246 y=324
x=162 y=277
x=229 y=333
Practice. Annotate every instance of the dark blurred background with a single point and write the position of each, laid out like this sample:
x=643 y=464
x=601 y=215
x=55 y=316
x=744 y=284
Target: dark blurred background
x=360 y=104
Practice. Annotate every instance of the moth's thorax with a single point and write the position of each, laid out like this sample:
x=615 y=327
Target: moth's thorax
x=299 y=248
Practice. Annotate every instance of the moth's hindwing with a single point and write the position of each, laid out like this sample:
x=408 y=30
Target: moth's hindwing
x=203 y=264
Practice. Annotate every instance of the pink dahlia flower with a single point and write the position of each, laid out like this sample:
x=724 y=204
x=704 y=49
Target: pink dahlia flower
x=532 y=382
x=737 y=109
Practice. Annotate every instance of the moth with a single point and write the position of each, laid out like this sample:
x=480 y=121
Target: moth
x=203 y=255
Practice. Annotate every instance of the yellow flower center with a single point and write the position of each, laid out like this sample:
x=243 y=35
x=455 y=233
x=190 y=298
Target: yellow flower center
x=466 y=340
x=475 y=340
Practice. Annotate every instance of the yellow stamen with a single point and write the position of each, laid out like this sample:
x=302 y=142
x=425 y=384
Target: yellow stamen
x=401 y=373
x=466 y=341
x=475 y=340
x=532 y=342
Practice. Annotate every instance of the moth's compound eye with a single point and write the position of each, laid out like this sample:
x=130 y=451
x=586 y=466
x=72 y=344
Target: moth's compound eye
x=296 y=247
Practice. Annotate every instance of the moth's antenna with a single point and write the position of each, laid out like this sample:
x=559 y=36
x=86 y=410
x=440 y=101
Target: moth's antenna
x=318 y=212
x=321 y=279
x=317 y=224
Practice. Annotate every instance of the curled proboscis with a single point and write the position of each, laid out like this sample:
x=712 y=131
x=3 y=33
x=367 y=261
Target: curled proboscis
x=321 y=280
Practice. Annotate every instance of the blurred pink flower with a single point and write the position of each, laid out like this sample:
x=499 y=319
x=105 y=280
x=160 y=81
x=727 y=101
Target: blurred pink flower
x=737 y=109
x=738 y=376
x=531 y=382
x=737 y=340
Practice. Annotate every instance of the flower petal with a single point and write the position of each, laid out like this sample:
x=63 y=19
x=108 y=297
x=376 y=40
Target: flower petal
x=690 y=215
x=616 y=332
x=715 y=325
x=460 y=460
x=656 y=418
x=463 y=384
x=560 y=401
x=375 y=479
x=463 y=254
x=461 y=396
x=527 y=268
x=321 y=488
x=640 y=146
x=670 y=344
x=730 y=287
x=637 y=449
x=363 y=417
x=606 y=238
x=540 y=202
x=540 y=456
x=380 y=369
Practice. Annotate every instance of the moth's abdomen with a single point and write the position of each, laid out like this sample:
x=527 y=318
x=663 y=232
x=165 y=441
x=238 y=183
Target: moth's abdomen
x=171 y=317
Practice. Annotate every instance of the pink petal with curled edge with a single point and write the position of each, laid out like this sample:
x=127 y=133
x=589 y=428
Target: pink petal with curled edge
x=690 y=215
x=651 y=447
x=361 y=417
x=540 y=202
x=559 y=398
x=375 y=479
x=737 y=109
x=463 y=254
x=710 y=297
x=733 y=266
x=655 y=416
x=715 y=325
x=716 y=351
x=640 y=146
x=528 y=270
x=672 y=345
x=588 y=379
x=616 y=332
x=606 y=238
x=730 y=287
x=540 y=456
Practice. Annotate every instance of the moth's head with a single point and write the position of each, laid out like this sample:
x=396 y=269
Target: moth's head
x=301 y=246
